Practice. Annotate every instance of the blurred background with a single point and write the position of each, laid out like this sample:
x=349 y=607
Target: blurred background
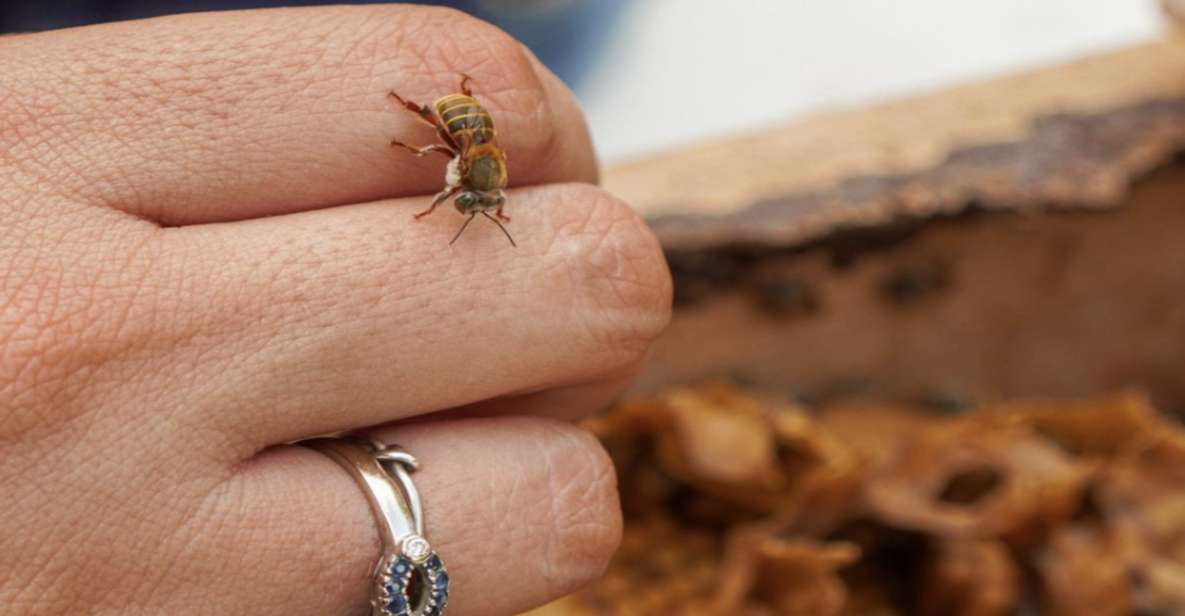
x=715 y=68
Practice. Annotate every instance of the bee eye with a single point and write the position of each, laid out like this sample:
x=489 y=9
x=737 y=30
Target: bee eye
x=466 y=199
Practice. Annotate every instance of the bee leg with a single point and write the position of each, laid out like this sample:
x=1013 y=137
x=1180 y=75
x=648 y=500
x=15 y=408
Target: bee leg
x=440 y=198
x=436 y=147
x=501 y=216
x=423 y=111
x=428 y=116
x=465 y=79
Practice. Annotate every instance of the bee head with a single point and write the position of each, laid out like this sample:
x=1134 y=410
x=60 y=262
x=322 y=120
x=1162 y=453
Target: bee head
x=480 y=200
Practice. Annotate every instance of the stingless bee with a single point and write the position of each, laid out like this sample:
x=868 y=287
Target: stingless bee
x=477 y=166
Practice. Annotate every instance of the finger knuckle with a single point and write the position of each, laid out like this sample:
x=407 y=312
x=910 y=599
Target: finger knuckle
x=619 y=266
x=585 y=512
x=446 y=42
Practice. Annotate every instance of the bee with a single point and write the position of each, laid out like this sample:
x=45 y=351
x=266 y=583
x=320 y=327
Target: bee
x=476 y=171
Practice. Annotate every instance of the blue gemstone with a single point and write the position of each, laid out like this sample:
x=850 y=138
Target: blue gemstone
x=397 y=603
x=400 y=567
x=441 y=582
x=433 y=562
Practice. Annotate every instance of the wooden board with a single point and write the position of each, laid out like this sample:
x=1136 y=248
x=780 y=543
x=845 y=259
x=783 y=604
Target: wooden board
x=898 y=137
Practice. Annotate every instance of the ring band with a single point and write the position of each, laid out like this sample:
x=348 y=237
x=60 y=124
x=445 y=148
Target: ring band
x=409 y=577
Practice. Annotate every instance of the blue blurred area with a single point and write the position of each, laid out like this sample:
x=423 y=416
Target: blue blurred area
x=567 y=35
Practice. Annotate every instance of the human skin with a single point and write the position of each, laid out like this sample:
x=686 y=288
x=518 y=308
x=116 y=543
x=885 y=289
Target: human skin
x=209 y=251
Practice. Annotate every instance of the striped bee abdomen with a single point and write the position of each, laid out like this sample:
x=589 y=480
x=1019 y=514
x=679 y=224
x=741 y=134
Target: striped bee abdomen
x=476 y=174
x=465 y=120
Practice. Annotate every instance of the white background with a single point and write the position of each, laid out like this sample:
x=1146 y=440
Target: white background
x=677 y=71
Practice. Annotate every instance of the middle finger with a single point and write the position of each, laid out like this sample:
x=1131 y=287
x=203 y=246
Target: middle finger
x=356 y=316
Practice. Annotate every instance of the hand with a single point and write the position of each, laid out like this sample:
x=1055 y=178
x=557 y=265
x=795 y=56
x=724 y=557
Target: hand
x=209 y=251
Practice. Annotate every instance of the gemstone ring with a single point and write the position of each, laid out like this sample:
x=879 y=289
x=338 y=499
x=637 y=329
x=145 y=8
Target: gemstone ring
x=409 y=577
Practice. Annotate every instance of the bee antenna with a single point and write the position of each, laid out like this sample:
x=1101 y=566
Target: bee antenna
x=504 y=231
x=462 y=229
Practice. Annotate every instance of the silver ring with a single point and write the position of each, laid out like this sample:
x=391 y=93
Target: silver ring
x=409 y=578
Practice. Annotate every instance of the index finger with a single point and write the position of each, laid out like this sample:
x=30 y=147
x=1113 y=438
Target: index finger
x=226 y=116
